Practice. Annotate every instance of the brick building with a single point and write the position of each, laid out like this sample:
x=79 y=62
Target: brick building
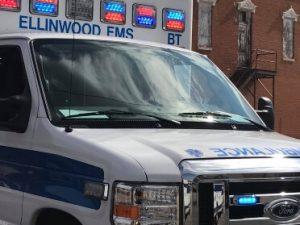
x=257 y=44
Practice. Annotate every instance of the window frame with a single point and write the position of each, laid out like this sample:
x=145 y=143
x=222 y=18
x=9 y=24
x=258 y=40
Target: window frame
x=26 y=91
x=209 y=5
x=285 y=40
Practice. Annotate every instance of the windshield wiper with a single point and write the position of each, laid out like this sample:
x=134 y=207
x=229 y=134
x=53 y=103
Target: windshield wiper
x=120 y=112
x=226 y=115
x=204 y=113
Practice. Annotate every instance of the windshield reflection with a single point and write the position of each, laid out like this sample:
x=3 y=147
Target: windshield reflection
x=81 y=76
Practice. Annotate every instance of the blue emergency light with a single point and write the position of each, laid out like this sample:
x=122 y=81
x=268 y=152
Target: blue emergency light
x=44 y=7
x=113 y=12
x=144 y=16
x=173 y=20
x=246 y=200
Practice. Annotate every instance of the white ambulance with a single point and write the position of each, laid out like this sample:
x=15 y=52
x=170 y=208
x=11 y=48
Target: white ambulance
x=99 y=126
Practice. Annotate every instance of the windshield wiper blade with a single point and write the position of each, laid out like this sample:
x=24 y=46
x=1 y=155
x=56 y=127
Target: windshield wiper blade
x=96 y=113
x=120 y=112
x=224 y=114
x=204 y=113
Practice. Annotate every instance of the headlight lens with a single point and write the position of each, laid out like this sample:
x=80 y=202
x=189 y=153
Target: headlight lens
x=146 y=204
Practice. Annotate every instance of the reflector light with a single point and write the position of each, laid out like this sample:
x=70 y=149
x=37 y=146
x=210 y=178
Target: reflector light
x=44 y=7
x=80 y=9
x=173 y=20
x=144 y=16
x=11 y=5
x=246 y=200
x=113 y=12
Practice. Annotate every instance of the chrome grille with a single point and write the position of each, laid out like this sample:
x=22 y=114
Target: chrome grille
x=211 y=185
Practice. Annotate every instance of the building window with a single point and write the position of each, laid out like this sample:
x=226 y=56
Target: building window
x=246 y=9
x=205 y=23
x=289 y=18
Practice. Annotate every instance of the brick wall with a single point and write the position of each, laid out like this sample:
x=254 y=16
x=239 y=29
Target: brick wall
x=267 y=29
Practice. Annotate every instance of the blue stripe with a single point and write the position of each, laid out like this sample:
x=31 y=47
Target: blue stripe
x=48 y=175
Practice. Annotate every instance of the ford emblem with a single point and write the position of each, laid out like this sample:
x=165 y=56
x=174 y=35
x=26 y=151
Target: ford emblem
x=283 y=209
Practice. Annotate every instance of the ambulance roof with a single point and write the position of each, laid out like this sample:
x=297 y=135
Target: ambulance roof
x=33 y=36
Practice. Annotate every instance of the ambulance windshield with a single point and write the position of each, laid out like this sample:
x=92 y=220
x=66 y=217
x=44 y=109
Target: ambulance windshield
x=82 y=76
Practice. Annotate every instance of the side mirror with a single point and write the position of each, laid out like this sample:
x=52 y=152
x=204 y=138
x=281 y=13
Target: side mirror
x=14 y=113
x=266 y=111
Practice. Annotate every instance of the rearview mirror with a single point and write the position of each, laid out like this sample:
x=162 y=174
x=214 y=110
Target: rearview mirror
x=266 y=111
x=14 y=113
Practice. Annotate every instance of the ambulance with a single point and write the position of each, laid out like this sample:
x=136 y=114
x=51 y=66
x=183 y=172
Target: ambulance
x=108 y=118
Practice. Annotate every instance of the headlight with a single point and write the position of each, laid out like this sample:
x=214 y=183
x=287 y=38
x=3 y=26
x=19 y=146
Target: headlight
x=136 y=204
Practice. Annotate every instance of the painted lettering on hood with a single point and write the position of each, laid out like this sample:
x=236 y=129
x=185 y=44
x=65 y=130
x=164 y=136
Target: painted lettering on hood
x=248 y=152
x=226 y=152
x=194 y=152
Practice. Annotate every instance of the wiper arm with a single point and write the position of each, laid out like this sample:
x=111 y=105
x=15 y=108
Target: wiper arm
x=204 y=113
x=120 y=112
x=258 y=125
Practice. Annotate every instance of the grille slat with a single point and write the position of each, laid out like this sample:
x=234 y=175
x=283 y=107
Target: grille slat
x=206 y=200
x=266 y=187
x=241 y=212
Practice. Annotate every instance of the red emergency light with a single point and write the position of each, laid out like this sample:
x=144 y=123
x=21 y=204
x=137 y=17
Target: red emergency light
x=143 y=10
x=175 y=25
x=114 y=17
x=10 y=5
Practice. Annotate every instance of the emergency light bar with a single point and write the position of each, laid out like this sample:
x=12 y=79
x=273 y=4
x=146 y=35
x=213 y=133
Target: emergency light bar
x=44 y=7
x=113 y=12
x=144 y=16
x=173 y=20
x=80 y=9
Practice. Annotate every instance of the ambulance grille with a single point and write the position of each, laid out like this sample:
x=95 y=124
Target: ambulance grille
x=268 y=191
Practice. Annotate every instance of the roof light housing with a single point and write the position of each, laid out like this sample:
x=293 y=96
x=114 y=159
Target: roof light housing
x=80 y=9
x=144 y=16
x=44 y=7
x=113 y=12
x=173 y=20
x=10 y=5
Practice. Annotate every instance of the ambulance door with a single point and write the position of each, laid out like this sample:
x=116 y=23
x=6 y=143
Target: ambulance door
x=13 y=142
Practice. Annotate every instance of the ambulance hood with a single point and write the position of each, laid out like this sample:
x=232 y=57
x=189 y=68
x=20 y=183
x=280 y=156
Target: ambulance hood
x=163 y=150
